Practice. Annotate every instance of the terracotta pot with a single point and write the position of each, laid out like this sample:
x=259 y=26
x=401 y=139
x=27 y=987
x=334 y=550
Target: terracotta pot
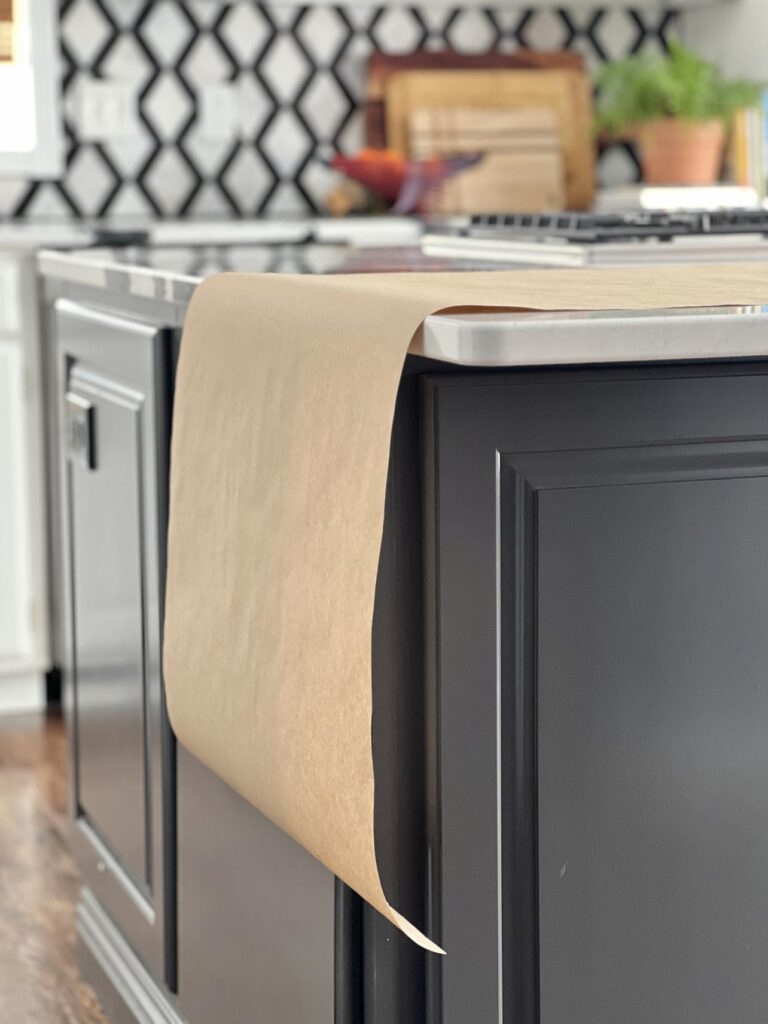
x=677 y=152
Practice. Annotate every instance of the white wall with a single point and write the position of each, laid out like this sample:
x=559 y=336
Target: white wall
x=23 y=577
x=733 y=34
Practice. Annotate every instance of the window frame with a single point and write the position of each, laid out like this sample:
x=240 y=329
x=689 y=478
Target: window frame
x=46 y=159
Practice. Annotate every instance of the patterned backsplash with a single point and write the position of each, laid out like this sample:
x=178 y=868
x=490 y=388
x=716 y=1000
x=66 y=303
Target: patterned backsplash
x=299 y=74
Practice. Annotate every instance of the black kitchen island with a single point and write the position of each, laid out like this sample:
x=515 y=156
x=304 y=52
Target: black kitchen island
x=570 y=697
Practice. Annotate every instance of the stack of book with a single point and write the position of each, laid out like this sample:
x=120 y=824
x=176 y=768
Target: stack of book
x=6 y=30
x=722 y=196
x=747 y=157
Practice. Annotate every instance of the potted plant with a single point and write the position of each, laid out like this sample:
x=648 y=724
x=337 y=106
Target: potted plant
x=677 y=107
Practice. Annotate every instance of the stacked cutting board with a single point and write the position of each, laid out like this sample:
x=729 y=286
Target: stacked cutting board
x=523 y=156
x=532 y=123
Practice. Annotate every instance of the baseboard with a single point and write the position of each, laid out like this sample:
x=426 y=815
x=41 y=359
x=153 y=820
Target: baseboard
x=125 y=988
x=53 y=689
x=21 y=691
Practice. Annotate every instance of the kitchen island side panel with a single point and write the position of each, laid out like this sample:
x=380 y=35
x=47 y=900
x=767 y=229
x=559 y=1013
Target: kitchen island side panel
x=256 y=912
x=602 y=702
x=652 y=759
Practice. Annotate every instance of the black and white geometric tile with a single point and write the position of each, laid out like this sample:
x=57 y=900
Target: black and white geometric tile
x=298 y=76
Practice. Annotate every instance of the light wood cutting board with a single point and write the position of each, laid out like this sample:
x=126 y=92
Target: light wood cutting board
x=523 y=165
x=382 y=65
x=565 y=92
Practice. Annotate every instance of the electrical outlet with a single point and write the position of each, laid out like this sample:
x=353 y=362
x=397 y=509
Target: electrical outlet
x=218 y=111
x=107 y=110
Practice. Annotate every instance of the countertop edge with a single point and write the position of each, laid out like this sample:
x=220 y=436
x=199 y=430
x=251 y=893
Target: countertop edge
x=557 y=338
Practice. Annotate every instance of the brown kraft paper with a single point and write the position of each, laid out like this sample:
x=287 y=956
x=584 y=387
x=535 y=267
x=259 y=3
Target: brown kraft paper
x=283 y=412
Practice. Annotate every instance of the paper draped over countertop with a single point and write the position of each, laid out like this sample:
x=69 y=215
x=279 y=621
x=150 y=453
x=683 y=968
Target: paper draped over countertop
x=284 y=404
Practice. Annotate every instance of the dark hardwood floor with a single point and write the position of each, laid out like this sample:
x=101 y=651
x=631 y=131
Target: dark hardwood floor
x=39 y=982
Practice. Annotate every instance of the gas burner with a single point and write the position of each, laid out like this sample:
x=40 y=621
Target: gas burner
x=609 y=227
x=581 y=239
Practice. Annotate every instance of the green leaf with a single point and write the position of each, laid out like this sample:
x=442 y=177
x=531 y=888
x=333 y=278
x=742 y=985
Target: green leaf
x=678 y=84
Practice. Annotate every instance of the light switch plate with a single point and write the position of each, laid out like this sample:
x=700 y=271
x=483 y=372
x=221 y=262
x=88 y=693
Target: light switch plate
x=107 y=110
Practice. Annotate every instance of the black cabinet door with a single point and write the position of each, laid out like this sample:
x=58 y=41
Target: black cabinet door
x=600 y=556
x=113 y=385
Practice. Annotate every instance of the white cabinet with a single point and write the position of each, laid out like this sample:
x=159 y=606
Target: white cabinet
x=23 y=625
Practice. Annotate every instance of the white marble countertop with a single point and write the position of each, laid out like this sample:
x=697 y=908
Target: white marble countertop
x=359 y=231
x=599 y=336
x=472 y=340
x=31 y=236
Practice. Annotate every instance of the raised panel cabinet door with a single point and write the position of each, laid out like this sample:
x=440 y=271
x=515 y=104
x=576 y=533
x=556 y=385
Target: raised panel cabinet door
x=652 y=723
x=106 y=558
x=112 y=385
x=602 y=695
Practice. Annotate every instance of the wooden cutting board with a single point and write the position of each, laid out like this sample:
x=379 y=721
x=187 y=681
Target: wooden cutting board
x=565 y=92
x=522 y=168
x=382 y=65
